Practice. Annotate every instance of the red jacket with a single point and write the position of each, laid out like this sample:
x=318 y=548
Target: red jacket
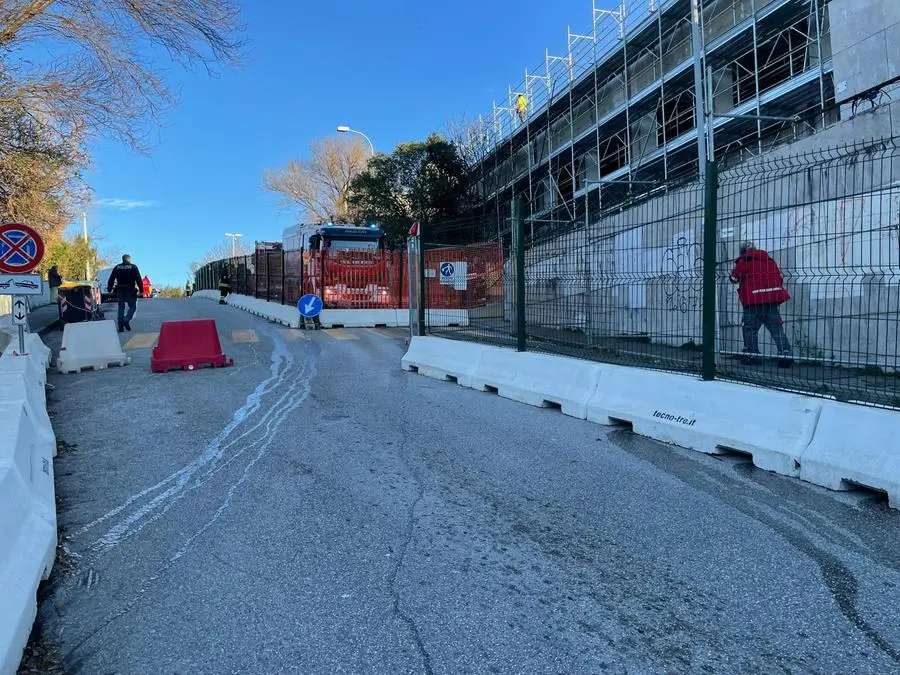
x=760 y=279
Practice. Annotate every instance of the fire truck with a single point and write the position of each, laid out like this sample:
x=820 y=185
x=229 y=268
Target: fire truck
x=348 y=267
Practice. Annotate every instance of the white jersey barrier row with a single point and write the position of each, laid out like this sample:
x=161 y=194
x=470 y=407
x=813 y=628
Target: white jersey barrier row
x=27 y=501
x=814 y=439
x=289 y=315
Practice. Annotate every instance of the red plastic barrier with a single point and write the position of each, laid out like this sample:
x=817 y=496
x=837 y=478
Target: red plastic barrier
x=188 y=345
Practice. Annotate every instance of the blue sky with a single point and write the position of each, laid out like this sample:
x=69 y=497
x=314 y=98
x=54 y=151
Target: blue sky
x=394 y=69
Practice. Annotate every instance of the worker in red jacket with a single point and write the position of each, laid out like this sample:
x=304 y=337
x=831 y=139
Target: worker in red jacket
x=761 y=290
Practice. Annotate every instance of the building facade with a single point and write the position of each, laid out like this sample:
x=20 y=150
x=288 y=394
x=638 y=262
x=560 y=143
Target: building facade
x=619 y=114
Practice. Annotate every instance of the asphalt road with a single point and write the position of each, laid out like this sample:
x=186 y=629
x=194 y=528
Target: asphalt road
x=314 y=509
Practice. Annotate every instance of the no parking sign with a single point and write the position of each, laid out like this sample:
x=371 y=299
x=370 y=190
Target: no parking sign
x=21 y=249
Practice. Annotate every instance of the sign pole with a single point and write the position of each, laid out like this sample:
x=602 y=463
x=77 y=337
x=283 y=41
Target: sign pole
x=20 y=319
x=21 y=251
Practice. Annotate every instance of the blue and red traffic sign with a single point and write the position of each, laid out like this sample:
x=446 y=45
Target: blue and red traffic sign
x=21 y=249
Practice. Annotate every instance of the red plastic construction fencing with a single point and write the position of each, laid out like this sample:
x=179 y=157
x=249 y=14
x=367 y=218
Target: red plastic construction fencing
x=463 y=277
x=366 y=279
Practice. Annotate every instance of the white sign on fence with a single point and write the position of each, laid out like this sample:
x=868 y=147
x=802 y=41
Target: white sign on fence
x=455 y=274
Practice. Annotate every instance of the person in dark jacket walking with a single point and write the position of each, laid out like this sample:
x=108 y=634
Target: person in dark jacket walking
x=128 y=283
x=761 y=290
x=224 y=286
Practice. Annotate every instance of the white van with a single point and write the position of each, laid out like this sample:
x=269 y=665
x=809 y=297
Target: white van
x=103 y=278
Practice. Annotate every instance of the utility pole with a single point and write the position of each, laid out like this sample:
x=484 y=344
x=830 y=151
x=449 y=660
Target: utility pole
x=87 y=245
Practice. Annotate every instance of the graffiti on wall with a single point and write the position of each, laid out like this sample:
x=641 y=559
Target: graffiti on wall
x=682 y=273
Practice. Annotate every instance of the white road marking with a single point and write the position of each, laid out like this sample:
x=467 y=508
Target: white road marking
x=138 y=513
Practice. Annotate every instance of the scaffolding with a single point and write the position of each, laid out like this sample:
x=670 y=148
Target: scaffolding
x=619 y=112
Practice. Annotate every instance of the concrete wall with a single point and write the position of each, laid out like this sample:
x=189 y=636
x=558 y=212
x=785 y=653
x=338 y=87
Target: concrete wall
x=834 y=227
x=865 y=38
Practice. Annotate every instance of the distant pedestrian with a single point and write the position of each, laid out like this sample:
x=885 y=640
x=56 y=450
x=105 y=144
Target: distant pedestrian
x=224 y=286
x=521 y=107
x=761 y=290
x=54 y=281
x=128 y=284
x=187 y=289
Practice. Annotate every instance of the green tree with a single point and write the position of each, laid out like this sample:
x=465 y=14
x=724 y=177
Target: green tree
x=171 y=292
x=423 y=181
x=71 y=256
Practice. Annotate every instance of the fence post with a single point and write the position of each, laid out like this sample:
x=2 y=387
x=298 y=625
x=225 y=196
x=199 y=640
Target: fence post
x=256 y=273
x=421 y=274
x=268 y=278
x=518 y=217
x=710 y=244
x=282 y=276
x=399 y=303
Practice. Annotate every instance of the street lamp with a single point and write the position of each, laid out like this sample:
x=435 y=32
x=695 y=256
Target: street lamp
x=347 y=130
x=234 y=238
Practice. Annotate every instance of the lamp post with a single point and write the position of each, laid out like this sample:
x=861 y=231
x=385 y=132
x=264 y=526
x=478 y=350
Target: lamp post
x=87 y=245
x=343 y=129
x=234 y=238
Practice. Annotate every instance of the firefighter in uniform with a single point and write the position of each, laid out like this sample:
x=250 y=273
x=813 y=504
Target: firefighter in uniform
x=224 y=286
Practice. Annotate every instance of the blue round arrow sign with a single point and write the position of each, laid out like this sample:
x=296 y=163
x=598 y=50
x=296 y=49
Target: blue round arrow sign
x=310 y=305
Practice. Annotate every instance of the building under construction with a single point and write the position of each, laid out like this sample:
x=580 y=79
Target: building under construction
x=619 y=113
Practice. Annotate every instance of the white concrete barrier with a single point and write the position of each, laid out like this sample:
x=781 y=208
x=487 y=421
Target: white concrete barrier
x=205 y=295
x=538 y=379
x=90 y=344
x=32 y=366
x=772 y=427
x=443 y=359
x=27 y=500
x=288 y=315
x=17 y=386
x=359 y=318
x=27 y=529
x=855 y=446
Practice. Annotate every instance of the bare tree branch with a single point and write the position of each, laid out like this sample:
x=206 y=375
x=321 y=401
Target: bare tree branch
x=100 y=76
x=223 y=251
x=320 y=186
x=101 y=73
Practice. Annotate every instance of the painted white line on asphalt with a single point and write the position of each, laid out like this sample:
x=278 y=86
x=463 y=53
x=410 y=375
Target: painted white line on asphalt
x=293 y=389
